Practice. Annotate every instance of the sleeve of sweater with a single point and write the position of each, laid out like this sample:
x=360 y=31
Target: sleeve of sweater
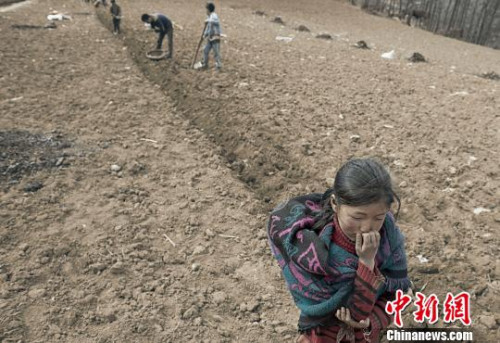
x=363 y=299
x=379 y=319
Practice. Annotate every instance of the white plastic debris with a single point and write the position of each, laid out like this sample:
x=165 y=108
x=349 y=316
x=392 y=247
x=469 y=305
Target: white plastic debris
x=389 y=55
x=58 y=16
x=479 y=210
x=284 y=39
x=462 y=93
x=355 y=138
x=448 y=190
x=54 y=17
x=13 y=99
x=198 y=65
x=422 y=259
x=115 y=168
x=471 y=159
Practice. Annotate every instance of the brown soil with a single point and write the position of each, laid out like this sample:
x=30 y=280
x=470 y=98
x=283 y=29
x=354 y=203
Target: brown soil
x=135 y=192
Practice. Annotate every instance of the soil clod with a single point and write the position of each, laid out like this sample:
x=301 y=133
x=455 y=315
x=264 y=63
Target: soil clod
x=361 y=45
x=303 y=28
x=417 y=57
x=32 y=187
x=278 y=20
x=326 y=36
x=490 y=76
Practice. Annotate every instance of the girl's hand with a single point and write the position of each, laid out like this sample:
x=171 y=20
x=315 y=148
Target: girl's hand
x=366 y=247
x=303 y=339
x=344 y=315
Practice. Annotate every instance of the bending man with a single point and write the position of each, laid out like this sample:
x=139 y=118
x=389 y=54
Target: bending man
x=161 y=24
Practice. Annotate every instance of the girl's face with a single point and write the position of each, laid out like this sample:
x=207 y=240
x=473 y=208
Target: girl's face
x=361 y=219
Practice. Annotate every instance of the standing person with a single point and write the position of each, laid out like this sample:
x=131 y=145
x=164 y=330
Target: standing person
x=342 y=255
x=116 y=13
x=212 y=34
x=161 y=24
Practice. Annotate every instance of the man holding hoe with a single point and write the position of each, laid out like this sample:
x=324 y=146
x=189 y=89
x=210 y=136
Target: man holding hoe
x=212 y=34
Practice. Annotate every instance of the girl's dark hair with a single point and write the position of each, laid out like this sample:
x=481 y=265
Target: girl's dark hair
x=358 y=182
x=210 y=7
x=145 y=17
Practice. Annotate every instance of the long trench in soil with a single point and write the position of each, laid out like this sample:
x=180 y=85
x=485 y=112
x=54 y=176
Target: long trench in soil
x=259 y=161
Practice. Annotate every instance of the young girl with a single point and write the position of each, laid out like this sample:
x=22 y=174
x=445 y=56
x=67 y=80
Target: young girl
x=342 y=255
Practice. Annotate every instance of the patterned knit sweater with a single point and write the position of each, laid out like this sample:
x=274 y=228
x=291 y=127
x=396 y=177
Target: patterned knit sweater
x=323 y=273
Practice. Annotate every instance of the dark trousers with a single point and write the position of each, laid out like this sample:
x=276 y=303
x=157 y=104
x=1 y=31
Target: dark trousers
x=116 y=25
x=170 y=34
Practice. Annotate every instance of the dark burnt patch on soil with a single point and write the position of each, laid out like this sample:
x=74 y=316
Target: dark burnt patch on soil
x=24 y=153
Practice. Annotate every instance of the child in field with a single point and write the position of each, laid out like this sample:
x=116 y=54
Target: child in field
x=342 y=255
x=161 y=24
x=212 y=34
x=116 y=13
